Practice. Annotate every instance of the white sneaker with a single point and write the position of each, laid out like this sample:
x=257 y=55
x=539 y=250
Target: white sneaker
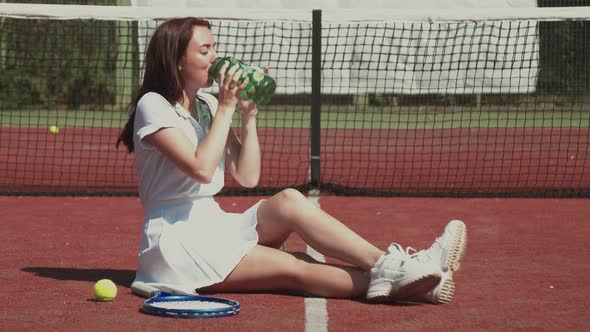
x=448 y=250
x=444 y=292
x=396 y=276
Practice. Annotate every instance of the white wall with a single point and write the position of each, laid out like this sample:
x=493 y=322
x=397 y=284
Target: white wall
x=401 y=58
x=324 y=4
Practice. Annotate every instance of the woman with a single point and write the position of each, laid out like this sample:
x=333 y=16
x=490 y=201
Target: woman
x=189 y=244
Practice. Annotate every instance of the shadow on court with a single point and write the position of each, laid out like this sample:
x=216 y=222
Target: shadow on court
x=120 y=277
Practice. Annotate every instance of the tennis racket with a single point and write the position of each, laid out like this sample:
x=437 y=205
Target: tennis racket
x=167 y=304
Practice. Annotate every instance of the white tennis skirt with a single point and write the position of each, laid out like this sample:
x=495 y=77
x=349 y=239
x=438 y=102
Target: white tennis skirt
x=192 y=244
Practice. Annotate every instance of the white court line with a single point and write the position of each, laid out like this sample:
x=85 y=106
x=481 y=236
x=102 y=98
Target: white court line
x=316 y=314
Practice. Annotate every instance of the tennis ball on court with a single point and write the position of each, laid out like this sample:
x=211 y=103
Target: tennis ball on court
x=54 y=129
x=105 y=290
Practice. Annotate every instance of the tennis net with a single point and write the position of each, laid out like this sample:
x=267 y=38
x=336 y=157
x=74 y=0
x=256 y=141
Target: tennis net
x=477 y=103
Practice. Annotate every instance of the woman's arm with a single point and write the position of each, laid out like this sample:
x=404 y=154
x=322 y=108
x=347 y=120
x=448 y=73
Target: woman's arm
x=199 y=163
x=243 y=156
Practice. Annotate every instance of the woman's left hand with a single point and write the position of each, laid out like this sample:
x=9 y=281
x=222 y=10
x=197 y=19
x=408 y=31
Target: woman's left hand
x=249 y=108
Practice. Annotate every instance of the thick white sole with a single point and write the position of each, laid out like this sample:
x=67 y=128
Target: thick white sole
x=458 y=247
x=384 y=292
x=429 y=288
x=444 y=292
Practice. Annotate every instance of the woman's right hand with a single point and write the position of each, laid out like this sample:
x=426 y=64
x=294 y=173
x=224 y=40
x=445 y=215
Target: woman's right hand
x=229 y=90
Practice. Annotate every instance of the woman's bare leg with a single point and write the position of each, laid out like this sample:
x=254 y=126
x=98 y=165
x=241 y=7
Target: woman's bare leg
x=266 y=268
x=270 y=269
x=289 y=211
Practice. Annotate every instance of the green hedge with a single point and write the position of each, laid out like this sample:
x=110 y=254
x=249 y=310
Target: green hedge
x=74 y=63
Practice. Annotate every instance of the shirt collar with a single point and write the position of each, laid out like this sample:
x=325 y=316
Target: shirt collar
x=181 y=111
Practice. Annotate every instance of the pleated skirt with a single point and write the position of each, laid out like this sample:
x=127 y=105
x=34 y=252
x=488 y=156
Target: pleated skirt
x=190 y=244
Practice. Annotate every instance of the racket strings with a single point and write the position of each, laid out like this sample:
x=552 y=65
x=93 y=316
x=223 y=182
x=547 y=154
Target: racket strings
x=190 y=304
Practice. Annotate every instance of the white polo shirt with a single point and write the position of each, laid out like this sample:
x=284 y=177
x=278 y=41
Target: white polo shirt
x=160 y=181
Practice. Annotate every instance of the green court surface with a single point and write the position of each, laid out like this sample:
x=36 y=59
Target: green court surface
x=336 y=116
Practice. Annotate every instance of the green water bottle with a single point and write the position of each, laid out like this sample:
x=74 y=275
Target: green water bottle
x=260 y=88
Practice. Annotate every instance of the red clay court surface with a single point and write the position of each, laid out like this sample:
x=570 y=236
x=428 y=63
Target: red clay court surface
x=417 y=161
x=527 y=266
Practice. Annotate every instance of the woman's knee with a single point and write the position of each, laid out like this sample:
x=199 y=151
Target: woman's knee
x=290 y=201
x=291 y=195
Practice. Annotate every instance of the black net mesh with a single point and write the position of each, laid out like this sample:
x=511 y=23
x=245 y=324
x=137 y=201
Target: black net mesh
x=497 y=108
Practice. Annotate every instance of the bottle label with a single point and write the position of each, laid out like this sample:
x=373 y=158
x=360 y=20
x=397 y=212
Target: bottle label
x=257 y=76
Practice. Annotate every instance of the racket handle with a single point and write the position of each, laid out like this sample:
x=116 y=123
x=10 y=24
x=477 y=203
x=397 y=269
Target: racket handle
x=143 y=290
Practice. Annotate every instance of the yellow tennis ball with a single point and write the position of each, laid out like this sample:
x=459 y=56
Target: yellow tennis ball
x=54 y=129
x=105 y=290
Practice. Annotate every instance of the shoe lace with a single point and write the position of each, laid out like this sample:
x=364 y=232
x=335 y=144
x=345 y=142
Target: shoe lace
x=421 y=256
x=409 y=252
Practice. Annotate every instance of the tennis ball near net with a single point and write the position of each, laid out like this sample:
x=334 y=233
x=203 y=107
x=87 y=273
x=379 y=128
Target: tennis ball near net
x=105 y=290
x=54 y=129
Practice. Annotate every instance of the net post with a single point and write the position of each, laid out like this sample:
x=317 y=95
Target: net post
x=316 y=93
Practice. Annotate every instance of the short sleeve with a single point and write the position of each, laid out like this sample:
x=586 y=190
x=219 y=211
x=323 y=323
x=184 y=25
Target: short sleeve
x=152 y=113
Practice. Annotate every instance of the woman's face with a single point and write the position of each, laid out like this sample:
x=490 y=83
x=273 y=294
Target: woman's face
x=199 y=55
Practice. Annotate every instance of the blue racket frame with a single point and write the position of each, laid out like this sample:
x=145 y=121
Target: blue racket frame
x=149 y=306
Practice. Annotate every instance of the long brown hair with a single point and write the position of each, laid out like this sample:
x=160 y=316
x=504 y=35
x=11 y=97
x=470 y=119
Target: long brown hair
x=161 y=68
